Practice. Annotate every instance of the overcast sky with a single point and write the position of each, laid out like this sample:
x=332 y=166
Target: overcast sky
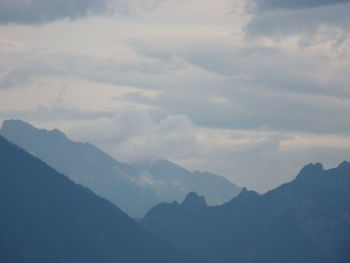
x=251 y=90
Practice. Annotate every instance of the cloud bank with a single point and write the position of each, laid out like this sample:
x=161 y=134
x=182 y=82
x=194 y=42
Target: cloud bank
x=283 y=18
x=268 y=5
x=44 y=11
x=250 y=95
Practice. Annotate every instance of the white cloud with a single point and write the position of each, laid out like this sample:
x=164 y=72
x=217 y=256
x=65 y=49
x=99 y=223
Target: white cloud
x=259 y=159
x=135 y=136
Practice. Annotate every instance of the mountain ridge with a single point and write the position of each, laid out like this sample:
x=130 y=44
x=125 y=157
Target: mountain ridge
x=46 y=217
x=133 y=188
x=305 y=220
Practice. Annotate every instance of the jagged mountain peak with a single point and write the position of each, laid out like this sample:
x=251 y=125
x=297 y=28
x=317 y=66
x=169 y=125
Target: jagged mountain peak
x=12 y=127
x=48 y=218
x=344 y=164
x=247 y=193
x=193 y=201
x=167 y=174
x=311 y=169
x=135 y=188
x=305 y=220
x=15 y=124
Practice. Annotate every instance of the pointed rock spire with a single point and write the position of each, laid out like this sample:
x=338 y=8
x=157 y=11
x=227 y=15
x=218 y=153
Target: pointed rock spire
x=194 y=202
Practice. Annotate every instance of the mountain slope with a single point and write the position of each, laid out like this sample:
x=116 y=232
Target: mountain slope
x=45 y=217
x=173 y=182
x=306 y=220
x=83 y=163
x=132 y=188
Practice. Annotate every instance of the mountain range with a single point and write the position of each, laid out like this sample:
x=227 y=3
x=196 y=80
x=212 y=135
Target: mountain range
x=46 y=217
x=304 y=221
x=135 y=188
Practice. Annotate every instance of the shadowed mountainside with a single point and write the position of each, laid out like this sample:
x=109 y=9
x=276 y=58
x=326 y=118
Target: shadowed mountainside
x=304 y=221
x=45 y=217
x=135 y=189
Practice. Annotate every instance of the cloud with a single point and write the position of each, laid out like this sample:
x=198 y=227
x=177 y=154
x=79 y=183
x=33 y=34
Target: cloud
x=252 y=109
x=46 y=114
x=246 y=86
x=135 y=136
x=268 y=5
x=187 y=80
x=259 y=159
x=252 y=86
x=44 y=11
x=334 y=19
x=114 y=69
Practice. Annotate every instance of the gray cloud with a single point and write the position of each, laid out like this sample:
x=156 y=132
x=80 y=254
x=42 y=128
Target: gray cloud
x=252 y=109
x=254 y=87
x=264 y=159
x=237 y=154
x=259 y=67
x=107 y=70
x=290 y=22
x=200 y=92
x=134 y=136
x=240 y=88
x=54 y=114
x=43 y=11
x=267 y=5
x=283 y=18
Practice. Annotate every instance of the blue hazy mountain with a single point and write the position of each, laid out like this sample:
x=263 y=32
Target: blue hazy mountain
x=46 y=217
x=173 y=182
x=133 y=188
x=84 y=164
x=304 y=221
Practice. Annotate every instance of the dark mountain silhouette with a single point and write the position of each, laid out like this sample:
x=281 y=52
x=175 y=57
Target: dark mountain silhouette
x=135 y=189
x=304 y=221
x=45 y=217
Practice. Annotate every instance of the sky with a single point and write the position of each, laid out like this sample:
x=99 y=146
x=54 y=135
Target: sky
x=251 y=90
